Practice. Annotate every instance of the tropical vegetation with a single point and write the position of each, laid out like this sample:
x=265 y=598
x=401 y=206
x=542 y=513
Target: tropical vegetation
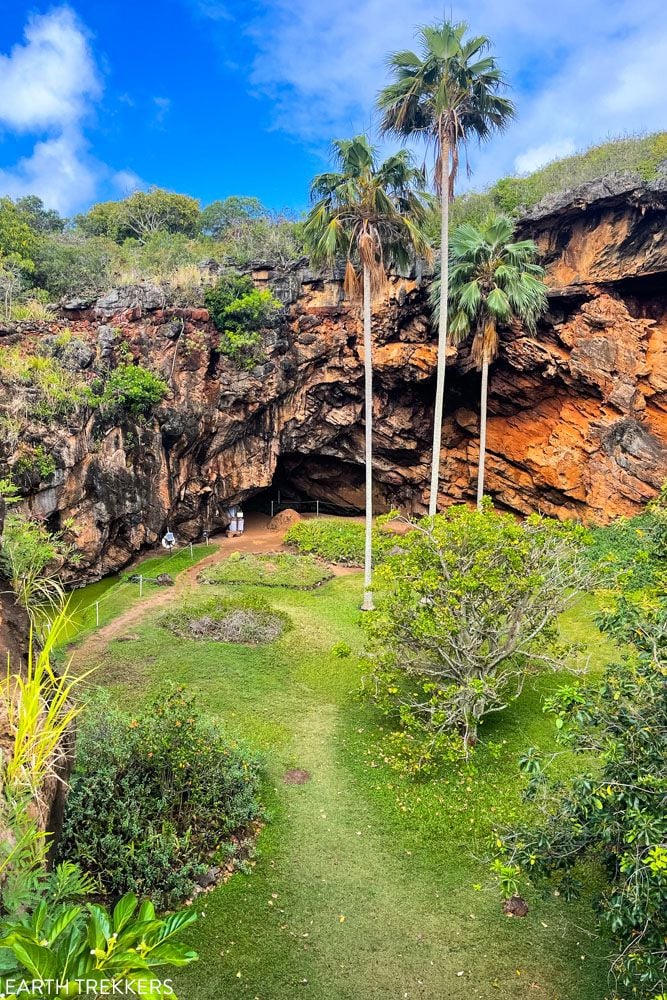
x=371 y=215
x=448 y=96
x=493 y=280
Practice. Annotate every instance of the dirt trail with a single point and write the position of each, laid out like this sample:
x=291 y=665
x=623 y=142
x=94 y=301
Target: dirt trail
x=256 y=538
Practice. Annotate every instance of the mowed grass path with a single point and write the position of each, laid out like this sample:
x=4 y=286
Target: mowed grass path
x=366 y=885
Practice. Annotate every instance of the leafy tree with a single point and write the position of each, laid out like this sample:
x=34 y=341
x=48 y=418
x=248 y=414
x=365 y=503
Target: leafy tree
x=371 y=214
x=224 y=217
x=142 y=214
x=240 y=311
x=40 y=219
x=492 y=280
x=18 y=241
x=68 y=264
x=447 y=96
x=615 y=811
x=468 y=612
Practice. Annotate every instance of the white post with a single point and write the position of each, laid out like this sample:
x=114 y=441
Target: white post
x=141 y=585
x=191 y=550
x=272 y=508
x=207 y=539
x=97 y=612
x=317 y=508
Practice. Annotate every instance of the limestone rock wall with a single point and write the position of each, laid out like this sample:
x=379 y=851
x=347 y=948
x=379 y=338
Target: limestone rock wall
x=577 y=413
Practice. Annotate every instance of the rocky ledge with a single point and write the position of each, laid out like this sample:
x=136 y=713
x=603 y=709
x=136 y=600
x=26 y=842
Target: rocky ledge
x=578 y=412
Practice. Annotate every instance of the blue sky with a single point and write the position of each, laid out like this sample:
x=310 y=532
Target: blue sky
x=214 y=98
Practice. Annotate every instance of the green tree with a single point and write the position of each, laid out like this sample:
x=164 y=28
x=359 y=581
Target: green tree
x=39 y=218
x=469 y=610
x=18 y=241
x=223 y=217
x=68 y=264
x=614 y=812
x=492 y=280
x=447 y=96
x=142 y=214
x=371 y=214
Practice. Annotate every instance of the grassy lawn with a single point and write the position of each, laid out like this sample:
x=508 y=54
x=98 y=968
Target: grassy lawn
x=271 y=569
x=117 y=594
x=366 y=885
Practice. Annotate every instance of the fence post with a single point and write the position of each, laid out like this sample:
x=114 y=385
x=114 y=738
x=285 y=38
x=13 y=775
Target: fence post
x=272 y=508
x=317 y=508
x=279 y=497
x=191 y=555
x=141 y=585
x=97 y=612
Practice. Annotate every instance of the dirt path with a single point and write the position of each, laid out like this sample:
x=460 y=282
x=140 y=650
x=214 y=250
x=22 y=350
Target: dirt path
x=256 y=538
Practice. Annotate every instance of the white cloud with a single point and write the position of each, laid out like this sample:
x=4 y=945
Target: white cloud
x=48 y=86
x=537 y=156
x=47 y=81
x=59 y=170
x=580 y=71
x=127 y=181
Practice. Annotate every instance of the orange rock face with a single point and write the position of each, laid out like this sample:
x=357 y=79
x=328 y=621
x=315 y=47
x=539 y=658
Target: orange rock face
x=577 y=413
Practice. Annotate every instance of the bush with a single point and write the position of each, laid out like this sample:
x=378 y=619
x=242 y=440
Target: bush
x=614 y=813
x=69 y=265
x=248 y=620
x=132 y=389
x=631 y=553
x=240 y=311
x=30 y=558
x=336 y=540
x=275 y=569
x=468 y=611
x=155 y=800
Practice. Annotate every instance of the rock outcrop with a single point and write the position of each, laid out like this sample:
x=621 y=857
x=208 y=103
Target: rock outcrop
x=577 y=413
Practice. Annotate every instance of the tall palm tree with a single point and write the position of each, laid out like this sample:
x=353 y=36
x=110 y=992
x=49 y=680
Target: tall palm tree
x=370 y=214
x=447 y=95
x=492 y=280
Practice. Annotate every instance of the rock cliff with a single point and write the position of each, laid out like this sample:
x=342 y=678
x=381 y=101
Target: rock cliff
x=577 y=413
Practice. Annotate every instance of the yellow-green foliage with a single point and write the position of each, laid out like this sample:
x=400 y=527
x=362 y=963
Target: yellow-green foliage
x=39 y=387
x=637 y=154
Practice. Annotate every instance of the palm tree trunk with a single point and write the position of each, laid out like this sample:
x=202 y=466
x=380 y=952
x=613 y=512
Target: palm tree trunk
x=442 y=326
x=368 y=407
x=482 y=430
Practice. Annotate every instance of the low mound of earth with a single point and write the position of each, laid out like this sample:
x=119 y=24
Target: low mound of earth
x=283 y=520
x=244 y=622
x=272 y=569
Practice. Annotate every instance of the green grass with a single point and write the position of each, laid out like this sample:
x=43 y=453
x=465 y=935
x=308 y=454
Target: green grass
x=401 y=862
x=116 y=594
x=273 y=569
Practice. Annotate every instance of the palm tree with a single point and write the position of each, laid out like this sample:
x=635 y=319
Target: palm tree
x=492 y=280
x=447 y=96
x=371 y=214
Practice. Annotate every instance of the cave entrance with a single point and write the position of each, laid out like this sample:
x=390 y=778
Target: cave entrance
x=312 y=484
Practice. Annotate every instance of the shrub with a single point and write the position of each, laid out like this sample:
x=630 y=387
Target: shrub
x=614 y=813
x=34 y=460
x=132 y=389
x=248 y=620
x=631 y=553
x=336 y=540
x=60 y=946
x=68 y=265
x=155 y=799
x=240 y=311
x=275 y=569
x=468 y=611
x=30 y=558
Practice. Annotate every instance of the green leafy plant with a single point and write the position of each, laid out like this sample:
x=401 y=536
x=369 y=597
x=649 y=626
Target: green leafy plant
x=615 y=811
x=156 y=799
x=336 y=540
x=245 y=619
x=33 y=459
x=68 y=951
x=468 y=612
x=132 y=389
x=240 y=311
x=31 y=558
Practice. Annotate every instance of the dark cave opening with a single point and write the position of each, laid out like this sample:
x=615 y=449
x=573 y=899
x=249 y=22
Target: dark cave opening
x=309 y=483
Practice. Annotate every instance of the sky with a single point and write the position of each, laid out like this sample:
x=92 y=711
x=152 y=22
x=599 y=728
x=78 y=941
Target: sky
x=100 y=97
